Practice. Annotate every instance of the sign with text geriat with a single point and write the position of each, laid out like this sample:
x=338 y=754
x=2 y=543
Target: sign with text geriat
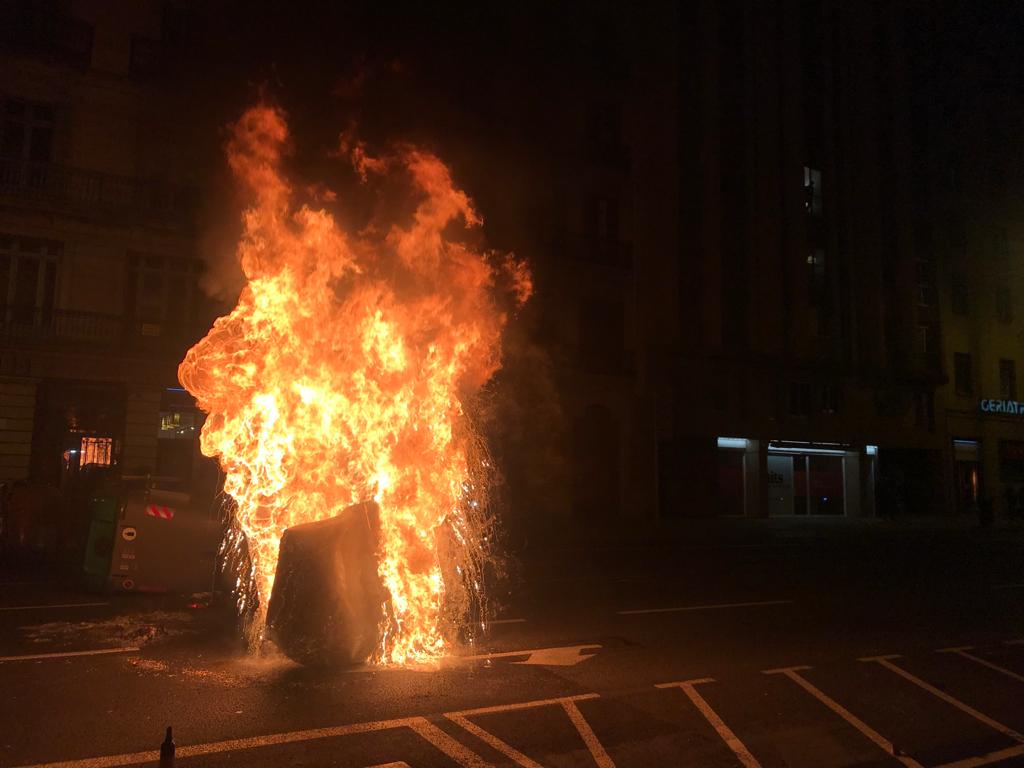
x=1009 y=407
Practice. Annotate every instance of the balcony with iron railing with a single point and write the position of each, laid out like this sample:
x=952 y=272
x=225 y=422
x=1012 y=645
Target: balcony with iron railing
x=98 y=194
x=67 y=330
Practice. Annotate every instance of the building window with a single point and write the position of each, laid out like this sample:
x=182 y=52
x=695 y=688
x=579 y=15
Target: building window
x=813 y=205
x=831 y=398
x=1004 y=304
x=962 y=373
x=604 y=132
x=925 y=271
x=26 y=132
x=161 y=291
x=28 y=279
x=799 y=398
x=924 y=340
x=96 y=450
x=816 y=275
x=1007 y=379
x=602 y=335
x=958 y=294
x=606 y=219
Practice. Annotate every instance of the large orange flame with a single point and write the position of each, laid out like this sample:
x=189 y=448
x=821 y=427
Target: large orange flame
x=342 y=374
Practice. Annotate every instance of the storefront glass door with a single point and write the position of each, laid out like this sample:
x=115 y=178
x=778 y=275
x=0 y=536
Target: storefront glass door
x=780 y=485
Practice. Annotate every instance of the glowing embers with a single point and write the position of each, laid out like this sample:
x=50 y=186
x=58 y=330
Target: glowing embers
x=344 y=375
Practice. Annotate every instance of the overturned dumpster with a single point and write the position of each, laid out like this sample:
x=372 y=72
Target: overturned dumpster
x=327 y=604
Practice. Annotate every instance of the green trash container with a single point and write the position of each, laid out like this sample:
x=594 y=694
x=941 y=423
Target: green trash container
x=104 y=510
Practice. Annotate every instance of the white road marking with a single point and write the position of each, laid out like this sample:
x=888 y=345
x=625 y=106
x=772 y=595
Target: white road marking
x=561 y=656
x=887 y=746
x=963 y=651
x=731 y=739
x=505 y=621
x=886 y=662
x=1008 y=586
x=456 y=751
x=1015 y=642
x=597 y=751
x=680 y=609
x=991 y=757
x=68 y=654
x=39 y=607
x=461 y=718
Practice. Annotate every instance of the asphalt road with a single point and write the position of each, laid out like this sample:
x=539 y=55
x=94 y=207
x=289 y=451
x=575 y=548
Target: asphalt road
x=824 y=647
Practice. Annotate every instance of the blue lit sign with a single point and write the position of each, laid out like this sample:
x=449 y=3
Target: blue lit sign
x=1010 y=407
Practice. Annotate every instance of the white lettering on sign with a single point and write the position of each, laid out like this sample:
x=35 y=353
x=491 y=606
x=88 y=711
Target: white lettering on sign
x=1011 y=407
x=128 y=533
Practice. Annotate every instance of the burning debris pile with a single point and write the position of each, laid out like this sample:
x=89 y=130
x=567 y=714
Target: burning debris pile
x=344 y=376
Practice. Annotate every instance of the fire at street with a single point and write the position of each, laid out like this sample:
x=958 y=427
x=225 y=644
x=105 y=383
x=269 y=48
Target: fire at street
x=344 y=376
x=533 y=385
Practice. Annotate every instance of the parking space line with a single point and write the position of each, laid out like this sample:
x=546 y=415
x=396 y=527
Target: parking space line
x=40 y=607
x=731 y=739
x=489 y=738
x=597 y=751
x=461 y=718
x=68 y=654
x=887 y=746
x=963 y=651
x=886 y=661
x=991 y=757
x=713 y=607
x=459 y=753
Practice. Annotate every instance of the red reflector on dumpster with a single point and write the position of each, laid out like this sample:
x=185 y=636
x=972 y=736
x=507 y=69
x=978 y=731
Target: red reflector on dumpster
x=166 y=513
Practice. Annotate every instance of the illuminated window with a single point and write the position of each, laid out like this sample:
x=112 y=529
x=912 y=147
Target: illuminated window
x=813 y=204
x=96 y=450
x=816 y=275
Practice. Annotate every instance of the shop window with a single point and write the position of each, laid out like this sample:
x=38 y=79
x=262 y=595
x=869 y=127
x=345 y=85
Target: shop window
x=729 y=485
x=825 y=485
x=962 y=378
x=1004 y=304
x=1008 y=379
x=813 y=201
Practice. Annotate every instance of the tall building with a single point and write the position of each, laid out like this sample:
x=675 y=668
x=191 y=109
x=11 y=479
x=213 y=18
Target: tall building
x=98 y=267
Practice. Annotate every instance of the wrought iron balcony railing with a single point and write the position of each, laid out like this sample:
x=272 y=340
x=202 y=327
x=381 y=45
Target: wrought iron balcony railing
x=95 y=192
x=28 y=327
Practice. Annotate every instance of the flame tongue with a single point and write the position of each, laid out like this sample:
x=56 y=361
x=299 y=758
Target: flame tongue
x=341 y=374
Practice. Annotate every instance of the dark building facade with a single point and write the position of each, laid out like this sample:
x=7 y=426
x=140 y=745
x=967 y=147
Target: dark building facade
x=99 y=292
x=767 y=328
